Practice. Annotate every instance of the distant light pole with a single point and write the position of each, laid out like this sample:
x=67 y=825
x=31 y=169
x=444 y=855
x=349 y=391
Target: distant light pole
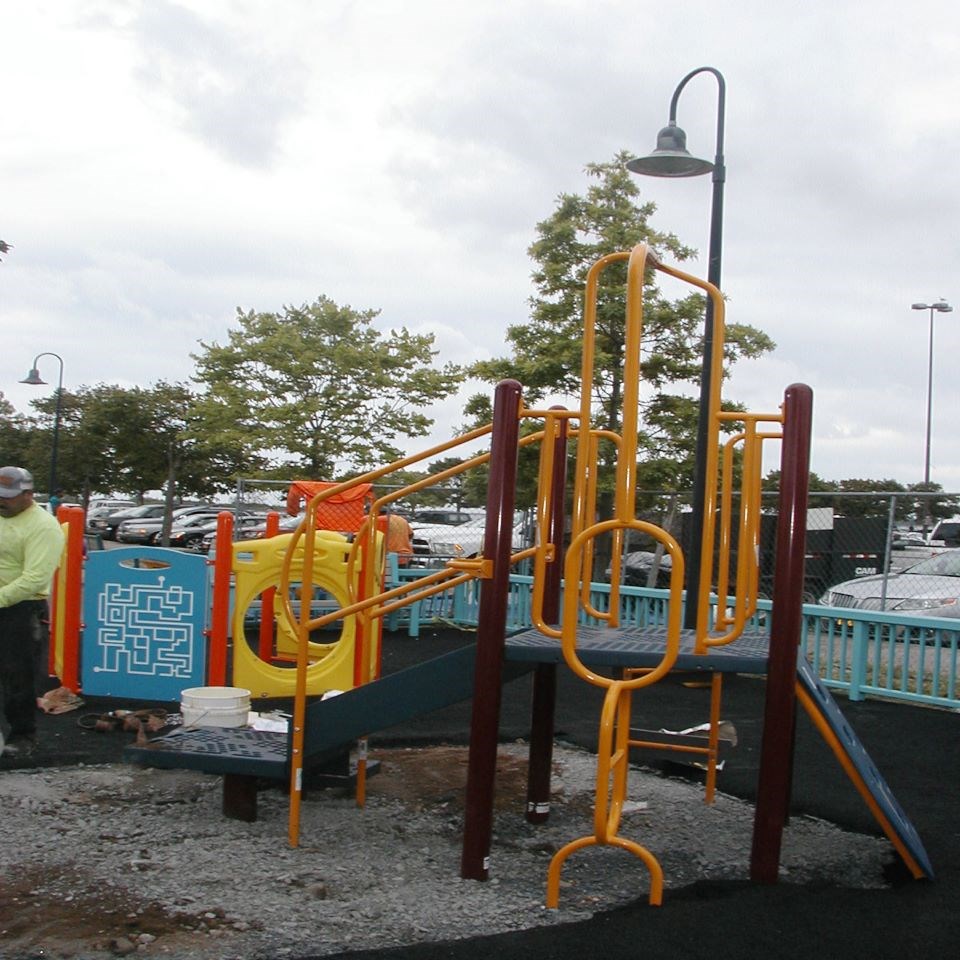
x=938 y=306
x=33 y=379
x=671 y=159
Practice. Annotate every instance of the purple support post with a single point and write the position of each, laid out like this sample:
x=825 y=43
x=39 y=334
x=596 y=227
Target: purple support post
x=776 y=756
x=545 y=676
x=491 y=630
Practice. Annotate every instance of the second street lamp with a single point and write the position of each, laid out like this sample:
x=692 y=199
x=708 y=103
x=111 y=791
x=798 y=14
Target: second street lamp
x=671 y=159
x=34 y=379
x=938 y=306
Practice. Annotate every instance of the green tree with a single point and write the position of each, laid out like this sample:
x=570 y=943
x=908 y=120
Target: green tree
x=546 y=350
x=320 y=388
x=928 y=509
x=136 y=439
x=14 y=434
x=83 y=453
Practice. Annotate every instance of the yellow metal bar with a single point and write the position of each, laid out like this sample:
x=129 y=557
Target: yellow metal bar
x=609 y=795
x=617 y=550
x=725 y=535
x=544 y=551
x=746 y=591
x=863 y=789
x=572 y=573
x=579 y=514
x=300 y=694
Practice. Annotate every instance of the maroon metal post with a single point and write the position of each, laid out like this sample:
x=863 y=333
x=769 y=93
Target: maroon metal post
x=491 y=630
x=786 y=621
x=545 y=676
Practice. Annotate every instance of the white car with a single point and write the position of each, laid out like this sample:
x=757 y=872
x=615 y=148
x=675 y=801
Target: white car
x=463 y=539
x=924 y=586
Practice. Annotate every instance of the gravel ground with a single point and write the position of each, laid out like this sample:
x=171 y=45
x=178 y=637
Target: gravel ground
x=103 y=861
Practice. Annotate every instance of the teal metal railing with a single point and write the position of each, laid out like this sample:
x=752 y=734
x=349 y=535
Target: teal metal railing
x=861 y=652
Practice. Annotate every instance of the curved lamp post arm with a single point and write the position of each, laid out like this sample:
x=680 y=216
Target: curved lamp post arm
x=33 y=378
x=719 y=172
x=671 y=159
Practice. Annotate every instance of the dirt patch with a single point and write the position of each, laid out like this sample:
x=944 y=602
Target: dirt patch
x=438 y=777
x=47 y=912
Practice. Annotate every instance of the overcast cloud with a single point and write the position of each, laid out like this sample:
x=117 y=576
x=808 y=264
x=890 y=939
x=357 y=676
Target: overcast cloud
x=164 y=163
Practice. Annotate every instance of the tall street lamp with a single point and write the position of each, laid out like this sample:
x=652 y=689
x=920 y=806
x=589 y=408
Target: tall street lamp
x=671 y=159
x=34 y=379
x=938 y=306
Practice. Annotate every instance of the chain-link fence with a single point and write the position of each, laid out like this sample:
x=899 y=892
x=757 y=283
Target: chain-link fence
x=441 y=526
x=893 y=552
x=872 y=551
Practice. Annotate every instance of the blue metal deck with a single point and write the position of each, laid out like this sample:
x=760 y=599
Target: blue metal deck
x=642 y=647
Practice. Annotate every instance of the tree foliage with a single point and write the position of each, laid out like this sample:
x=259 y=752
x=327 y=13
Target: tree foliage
x=913 y=503
x=14 y=434
x=546 y=350
x=135 y=439
x=319 y=388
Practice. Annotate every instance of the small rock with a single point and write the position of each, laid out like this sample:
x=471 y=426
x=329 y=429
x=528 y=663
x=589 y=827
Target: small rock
x=122 y=946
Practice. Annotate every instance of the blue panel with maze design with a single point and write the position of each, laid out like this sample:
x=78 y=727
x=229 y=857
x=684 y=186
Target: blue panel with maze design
x=145 y=613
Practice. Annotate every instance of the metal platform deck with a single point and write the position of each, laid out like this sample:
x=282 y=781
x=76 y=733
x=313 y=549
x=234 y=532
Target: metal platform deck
x=642 y=647
x=256 y=753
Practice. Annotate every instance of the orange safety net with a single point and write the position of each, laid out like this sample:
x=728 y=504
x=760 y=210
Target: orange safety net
x=342 y=512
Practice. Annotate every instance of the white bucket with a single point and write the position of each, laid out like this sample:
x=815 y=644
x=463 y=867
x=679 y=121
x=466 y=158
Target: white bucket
x=215 y=706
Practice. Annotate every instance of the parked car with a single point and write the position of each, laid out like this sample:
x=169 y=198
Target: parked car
x=461 y=539
x=189 y=534
x=253 y=532
x=636 y=566
x=451 y=516
x=185 y=529
x=107 y=525
x=922 y=587
x=906 y=539
x=99 y=509
x=147 y=530
x=105 y=503
x=946 y=533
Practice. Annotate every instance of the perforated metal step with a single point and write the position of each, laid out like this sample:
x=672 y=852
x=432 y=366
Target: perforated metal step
x=643 y=647
x=258 y=753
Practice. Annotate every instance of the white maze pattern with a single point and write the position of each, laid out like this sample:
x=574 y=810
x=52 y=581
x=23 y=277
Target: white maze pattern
x=146 y=629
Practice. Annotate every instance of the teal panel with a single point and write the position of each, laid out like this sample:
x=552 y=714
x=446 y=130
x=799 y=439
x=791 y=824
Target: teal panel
x=145 y=615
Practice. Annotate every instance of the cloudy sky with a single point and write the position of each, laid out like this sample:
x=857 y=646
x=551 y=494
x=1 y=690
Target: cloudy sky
x=163 y=163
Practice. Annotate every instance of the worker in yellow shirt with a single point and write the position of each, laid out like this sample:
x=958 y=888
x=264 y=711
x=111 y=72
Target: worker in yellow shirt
x=31 y=543
x=399 y=538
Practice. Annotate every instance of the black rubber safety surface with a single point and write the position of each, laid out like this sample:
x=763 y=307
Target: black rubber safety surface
x=915 y=749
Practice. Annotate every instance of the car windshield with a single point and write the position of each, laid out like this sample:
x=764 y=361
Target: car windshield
x=945 y=531
x=448 y=518
x=143 y=511
x=942 y=565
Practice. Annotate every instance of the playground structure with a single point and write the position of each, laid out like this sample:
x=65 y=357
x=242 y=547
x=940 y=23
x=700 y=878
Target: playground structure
x=622 y=661
x=154 y=621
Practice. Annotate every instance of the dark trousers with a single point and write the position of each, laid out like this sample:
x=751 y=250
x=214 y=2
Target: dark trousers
x=22 y=635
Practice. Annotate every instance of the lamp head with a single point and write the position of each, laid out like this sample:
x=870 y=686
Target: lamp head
x=941 y=306
x=671 y=157
x=33 y=378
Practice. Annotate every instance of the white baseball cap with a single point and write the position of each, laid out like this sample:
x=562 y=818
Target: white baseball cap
x=14 y=481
